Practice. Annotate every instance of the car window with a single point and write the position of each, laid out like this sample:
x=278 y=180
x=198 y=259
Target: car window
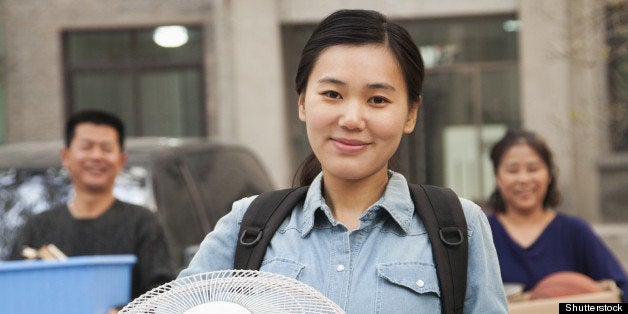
x=225 y=176
x=176 y=209
x=26 y=192
x=133 y=186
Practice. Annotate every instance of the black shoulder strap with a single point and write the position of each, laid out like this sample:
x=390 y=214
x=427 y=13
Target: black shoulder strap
x=261 y=220
x=441 y=213
x=447 y=224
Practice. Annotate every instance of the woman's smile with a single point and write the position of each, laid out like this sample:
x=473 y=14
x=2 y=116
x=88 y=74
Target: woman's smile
x=347 y=145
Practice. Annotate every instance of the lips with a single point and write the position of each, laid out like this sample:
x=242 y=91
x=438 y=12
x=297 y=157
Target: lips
x=349 y=145
x=95 y=169
x=524 y=193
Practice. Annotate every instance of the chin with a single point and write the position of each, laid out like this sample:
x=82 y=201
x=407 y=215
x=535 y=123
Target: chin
x=350 y=172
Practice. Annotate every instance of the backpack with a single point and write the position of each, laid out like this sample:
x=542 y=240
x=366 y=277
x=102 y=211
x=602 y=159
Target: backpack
x=439 y=209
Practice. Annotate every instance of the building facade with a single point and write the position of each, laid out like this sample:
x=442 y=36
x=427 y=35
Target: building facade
x=491 y=65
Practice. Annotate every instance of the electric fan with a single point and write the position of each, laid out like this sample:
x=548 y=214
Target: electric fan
x=233 y=291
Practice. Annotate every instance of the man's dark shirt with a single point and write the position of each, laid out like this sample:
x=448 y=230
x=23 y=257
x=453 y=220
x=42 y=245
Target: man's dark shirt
x=123 y=229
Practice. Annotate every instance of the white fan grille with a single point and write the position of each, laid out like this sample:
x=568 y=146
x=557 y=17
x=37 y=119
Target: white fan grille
x=259 y=292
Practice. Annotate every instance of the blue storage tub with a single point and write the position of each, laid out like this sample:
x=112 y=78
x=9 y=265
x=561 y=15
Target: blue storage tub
x=82 y=284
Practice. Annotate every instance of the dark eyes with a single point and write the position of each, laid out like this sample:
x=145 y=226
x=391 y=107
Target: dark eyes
x=332 y=94
x=374 y=100
x=378 y=100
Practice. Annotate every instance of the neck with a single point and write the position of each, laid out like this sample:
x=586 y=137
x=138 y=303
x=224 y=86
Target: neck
x=348 y=199
x=87 y=206
x=530 y=217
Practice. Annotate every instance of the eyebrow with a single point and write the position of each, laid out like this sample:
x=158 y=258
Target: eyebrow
x=369 y=86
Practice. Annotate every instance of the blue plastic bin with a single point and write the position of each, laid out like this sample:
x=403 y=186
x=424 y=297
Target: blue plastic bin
x=85 y=284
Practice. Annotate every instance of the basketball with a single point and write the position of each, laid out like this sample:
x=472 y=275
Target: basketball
x=563 y=283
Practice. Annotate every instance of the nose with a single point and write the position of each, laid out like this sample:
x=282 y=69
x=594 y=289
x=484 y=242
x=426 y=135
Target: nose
x=352 y=116
x=523 y=176
x=96 y=152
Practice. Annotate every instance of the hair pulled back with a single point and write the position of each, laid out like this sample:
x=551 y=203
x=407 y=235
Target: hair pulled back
x=358 y=27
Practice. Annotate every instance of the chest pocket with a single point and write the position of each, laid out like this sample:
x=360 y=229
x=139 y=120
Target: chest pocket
x=283 y=266
x=407 y=288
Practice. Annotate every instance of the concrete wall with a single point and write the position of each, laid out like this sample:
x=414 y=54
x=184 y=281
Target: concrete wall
x=616 y=238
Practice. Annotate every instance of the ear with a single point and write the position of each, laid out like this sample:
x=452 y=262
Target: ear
x=123 y=158
x=64 y=156
x=413 y=112
x=302 y=106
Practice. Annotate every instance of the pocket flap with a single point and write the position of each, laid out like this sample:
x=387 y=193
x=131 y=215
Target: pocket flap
x=282 y=266
x=418 y=277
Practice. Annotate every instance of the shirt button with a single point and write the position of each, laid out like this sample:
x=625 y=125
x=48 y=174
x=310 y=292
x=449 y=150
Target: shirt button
x=420 y=283
x=340 y=268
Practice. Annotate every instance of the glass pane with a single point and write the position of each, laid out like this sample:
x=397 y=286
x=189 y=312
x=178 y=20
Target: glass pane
x=106 y=91
x=225 y=176
x=172 y=103
x=149 y=50
x=26 y=192
x=176 y=209
x=98 y=47
x=448 y=41
x=500 y=96
x=446 y=101
x=294 y=39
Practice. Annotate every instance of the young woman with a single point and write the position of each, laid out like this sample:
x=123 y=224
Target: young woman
x=356 y=237
x=531 y=238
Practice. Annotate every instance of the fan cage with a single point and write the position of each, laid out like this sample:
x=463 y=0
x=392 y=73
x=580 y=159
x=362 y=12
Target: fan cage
x=257 y=291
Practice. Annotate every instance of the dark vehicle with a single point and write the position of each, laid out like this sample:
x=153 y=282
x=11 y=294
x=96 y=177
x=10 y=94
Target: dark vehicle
x=189 y=182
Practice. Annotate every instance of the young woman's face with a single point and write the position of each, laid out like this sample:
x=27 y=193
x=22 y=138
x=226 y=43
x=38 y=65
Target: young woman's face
x=522 y=178
x=355 y=108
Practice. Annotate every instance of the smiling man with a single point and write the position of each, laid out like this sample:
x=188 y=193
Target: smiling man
x=94 y=222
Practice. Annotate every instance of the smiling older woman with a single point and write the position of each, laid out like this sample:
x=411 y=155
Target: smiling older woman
x=532 y=239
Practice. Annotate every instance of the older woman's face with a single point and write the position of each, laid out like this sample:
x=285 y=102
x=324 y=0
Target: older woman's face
x=522 y=178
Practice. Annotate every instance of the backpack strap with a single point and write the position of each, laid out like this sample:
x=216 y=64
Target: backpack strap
x=261 y=220
x=446 y=228
x=441 y=213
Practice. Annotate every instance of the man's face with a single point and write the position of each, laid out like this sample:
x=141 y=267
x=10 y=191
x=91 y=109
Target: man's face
x=94 y=158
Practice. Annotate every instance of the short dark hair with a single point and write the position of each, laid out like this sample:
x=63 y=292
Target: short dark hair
x=356 y=28
x=538 y=144
x=96 y=117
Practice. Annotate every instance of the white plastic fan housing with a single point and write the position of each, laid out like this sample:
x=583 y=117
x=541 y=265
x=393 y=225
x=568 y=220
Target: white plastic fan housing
x=233 y=292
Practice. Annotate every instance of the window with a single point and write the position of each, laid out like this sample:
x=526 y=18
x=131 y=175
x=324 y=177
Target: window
x=157 y=89
x=617 y=40
x=470 y=97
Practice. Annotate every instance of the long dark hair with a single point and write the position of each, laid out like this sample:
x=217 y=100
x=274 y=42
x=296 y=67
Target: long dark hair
x=510 y=139
x=358 y=27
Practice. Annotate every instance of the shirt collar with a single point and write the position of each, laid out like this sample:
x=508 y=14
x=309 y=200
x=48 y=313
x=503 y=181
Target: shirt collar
x=396 y=201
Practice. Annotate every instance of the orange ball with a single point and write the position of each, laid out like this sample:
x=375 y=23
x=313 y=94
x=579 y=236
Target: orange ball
x=564 y=283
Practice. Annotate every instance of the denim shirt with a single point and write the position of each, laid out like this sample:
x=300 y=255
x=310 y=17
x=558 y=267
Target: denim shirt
x=384 y=266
